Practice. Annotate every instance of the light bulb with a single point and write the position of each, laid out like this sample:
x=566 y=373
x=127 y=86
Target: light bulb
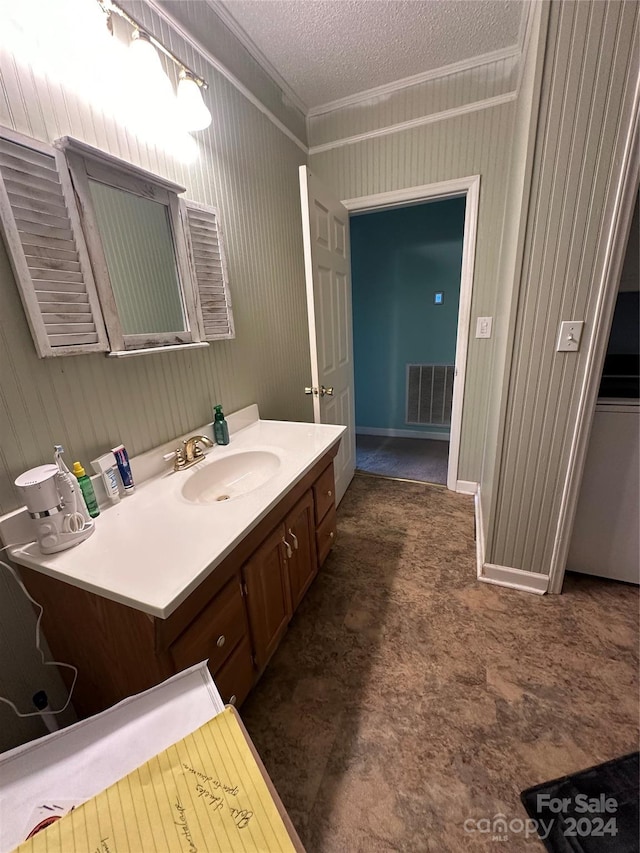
x=191 y=106
x=143 y=55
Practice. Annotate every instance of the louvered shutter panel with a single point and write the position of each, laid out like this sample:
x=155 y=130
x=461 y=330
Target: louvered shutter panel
x=41 y=228
x=207 y=258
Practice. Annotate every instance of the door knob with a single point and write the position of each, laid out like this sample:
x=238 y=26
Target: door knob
x=328 y=391
x=310 y=390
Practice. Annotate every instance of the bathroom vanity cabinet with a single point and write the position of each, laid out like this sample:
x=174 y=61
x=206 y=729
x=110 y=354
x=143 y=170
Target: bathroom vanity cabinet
x=235 y=618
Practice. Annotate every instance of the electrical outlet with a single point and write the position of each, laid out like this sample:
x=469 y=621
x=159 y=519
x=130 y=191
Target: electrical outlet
x=483 y=327
x=570 y=335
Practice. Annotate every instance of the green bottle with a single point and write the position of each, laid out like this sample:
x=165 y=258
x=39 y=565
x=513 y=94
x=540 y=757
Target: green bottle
x=220 y=427
x=86 y=487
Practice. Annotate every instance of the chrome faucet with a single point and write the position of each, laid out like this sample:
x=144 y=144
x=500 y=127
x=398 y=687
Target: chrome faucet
x=189 y=452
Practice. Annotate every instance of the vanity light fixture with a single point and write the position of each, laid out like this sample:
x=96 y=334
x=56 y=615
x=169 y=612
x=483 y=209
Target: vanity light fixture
x=191 y=107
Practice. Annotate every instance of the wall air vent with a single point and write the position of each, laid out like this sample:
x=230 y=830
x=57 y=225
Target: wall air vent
x=429 y=394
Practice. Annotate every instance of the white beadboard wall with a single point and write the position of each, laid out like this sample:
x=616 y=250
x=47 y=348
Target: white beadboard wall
x=477 y=142
x=249 y=169
x=515 y=220
x=457 y=89
x=590 y=71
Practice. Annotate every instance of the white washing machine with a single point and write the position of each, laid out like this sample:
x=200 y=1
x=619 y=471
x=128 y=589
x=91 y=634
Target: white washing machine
x=606 y=533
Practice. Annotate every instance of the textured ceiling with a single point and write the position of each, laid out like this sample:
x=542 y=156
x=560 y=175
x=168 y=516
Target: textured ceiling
x=329 y=49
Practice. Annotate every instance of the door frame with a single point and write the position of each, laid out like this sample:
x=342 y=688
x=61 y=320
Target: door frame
x=469 y=187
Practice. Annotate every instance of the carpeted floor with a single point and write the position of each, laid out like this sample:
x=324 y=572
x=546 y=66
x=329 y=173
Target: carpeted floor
x=421 y=459
x=408 y=698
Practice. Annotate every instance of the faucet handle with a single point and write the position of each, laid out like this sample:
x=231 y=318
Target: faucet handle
x=178 y=457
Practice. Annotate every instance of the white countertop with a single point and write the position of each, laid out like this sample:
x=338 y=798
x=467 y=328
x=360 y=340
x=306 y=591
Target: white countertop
x=153 y=548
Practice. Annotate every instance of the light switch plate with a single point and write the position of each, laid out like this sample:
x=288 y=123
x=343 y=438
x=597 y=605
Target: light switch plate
x=483 y=327
x=570 y=335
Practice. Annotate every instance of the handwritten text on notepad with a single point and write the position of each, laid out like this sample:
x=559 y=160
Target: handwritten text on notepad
x=204 y=793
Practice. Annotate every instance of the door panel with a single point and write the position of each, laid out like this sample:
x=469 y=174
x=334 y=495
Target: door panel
x=325 y=226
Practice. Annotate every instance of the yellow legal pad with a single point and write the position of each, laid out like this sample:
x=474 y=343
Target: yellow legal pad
x=204 y=793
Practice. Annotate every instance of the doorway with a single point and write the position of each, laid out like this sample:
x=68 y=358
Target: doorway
x=326 y=240
x=410 y=373
x=406 y=264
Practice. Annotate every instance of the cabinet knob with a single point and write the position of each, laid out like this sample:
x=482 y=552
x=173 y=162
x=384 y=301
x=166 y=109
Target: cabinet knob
x=331 y=535
x=220 y=641
x=233 y=700
x=329 y=493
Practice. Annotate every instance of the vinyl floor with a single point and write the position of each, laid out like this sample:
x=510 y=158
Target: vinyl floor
x=408 y=704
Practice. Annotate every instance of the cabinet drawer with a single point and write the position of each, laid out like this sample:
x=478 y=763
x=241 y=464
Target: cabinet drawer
x=326 y=535
x=324 y=492
x=235 y=677
x=215 y=633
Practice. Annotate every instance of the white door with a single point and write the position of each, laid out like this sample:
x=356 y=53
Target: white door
x=325 y=228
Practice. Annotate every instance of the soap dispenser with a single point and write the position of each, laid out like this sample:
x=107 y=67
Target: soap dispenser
x=220 y=427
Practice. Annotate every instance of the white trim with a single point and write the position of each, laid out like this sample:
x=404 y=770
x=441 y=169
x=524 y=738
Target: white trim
x=463 y=330
x=614 y=251
x=415 y=80
x=527 y=22
x=402 y=433
x=514 y=578
x=469 y=186
x=479 y=532
x=503 y=575
x=252 y=48
x=466 y=487
x=169 y=19
x=486 y=103
x=432 y=192
x=156 y=349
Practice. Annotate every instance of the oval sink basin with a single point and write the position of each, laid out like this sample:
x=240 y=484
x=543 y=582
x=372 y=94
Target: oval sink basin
x=230 y=477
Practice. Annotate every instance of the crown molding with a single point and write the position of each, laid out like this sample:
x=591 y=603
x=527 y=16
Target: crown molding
x=496 y=101
x=251 y=47
x=172 y=22
x=434 y=74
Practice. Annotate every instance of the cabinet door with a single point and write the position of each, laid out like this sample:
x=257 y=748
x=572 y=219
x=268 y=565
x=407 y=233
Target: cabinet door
x=268 y=595
x=300 y=535
x=235 y=677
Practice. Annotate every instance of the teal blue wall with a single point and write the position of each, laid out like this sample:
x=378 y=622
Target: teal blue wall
x=399 y=259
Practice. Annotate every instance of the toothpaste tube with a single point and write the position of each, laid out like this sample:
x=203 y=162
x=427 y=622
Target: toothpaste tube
x=122 y=461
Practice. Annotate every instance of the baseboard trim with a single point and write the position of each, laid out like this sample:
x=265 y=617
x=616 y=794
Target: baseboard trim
x=503 y=575
x=479 y=532
x=514 y=578
x=402 y=433
x=466 y=487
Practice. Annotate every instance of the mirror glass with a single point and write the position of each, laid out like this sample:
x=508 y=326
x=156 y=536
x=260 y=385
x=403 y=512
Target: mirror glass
x=140 y=254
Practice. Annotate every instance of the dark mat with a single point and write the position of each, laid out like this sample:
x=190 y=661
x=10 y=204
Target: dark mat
x=593 y=811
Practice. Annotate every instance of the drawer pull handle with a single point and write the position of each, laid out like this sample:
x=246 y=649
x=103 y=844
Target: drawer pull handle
x=329 y=493
x=288 y=547
x=220 y=641
x=331 y=535
x=233 y=700
x=294 y=537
